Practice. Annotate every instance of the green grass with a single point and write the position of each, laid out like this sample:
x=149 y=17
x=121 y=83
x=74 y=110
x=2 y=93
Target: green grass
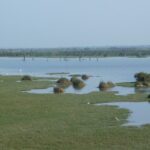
x=65 y=121
x=58 y=73
x=126 y=84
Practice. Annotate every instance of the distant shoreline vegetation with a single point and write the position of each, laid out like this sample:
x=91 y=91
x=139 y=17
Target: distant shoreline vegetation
x=142 y=51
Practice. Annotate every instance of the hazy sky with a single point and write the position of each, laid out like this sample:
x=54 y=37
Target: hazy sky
x=68 y=23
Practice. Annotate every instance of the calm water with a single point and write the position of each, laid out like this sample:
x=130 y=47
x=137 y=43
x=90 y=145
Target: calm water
x=139 y=112
x=104 y=69
x=114 y=69
x=87 y=89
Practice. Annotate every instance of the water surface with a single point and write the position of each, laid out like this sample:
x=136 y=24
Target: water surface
x=139 y=112
x=116 y=69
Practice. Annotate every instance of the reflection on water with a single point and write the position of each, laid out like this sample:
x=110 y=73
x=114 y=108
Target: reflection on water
x=129 y=90
x=92 y=86
x=116 y=69
x=139 y=112
x=41 y=91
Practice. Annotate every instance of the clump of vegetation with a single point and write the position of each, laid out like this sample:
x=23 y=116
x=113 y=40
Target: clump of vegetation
x=142 y=79
x=85 y=77
x=110 y=84
x=138 y=84
x=148 y=96
x=58 y=90
x=103 y=86
x=73 y=79
x=76 y=75
x=106 y=85
x=64 y=82
x=77 y=83
x=26 y=78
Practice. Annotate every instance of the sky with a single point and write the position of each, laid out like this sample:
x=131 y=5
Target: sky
x=74 y=23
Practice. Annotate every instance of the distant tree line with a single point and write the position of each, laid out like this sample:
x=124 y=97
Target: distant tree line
x=78 y=52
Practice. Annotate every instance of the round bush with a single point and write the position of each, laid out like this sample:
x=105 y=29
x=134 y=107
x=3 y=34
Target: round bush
x=106 y=85
x=142 y=79
x=58 y=90
x=110 y=84
x=64 y=82
x=77 y=83
x=103 y=86
x=85 y=77
x=73 y=79
x=26 y=78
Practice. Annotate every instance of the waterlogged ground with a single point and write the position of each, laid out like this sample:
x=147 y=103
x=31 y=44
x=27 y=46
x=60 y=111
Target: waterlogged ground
x=89 y=88
x=115 y=69
x=66 y=121
x=71 y=121
x=139 y=112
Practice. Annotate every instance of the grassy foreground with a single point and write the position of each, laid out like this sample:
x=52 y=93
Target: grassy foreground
x=64 y=122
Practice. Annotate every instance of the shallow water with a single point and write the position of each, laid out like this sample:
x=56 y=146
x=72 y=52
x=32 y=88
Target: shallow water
x=41 y=91
x=139 y=112
x=128 y=90
x=92 y=88
x=116 y=69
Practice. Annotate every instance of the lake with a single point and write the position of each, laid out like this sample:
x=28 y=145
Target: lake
x=116 y=69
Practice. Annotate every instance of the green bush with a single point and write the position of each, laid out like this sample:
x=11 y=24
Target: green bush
x=58 y=90
x=26 y=78
x=64 y=82
x=138 y=84
x=85 y=77
x=110 y=84
x=106 y=85
x=77 y=83
x=103 y=86
x=142 y=79
x=73 y=79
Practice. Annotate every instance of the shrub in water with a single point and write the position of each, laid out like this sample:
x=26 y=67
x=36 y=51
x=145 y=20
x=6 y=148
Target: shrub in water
x=64 y=82
x=140 y=76
x=58 y=90
x=139 y=84
x=85 y=77
x=26 y=78
x=110 y=84
x=103 y=86
x=73 y=79
x=148 y=96
x=147 y=84
x=106 y=85
x=142 y=79
x=77 y=83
